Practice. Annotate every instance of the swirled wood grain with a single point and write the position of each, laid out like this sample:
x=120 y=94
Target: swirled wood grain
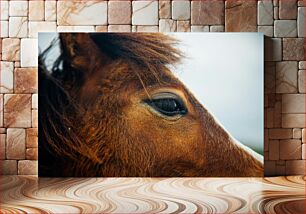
x=139 y=195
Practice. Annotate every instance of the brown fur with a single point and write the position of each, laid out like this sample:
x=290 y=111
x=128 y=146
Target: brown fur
x=92 y=122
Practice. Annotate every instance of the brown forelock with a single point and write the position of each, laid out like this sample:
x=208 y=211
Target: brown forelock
x=146 y=49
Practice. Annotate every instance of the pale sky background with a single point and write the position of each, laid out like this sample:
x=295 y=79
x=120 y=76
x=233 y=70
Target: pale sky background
x=225 y=72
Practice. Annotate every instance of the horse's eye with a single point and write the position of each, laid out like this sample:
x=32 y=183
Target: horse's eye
x=168 y=106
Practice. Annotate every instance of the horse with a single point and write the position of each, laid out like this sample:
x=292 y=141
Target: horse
x=111 y=106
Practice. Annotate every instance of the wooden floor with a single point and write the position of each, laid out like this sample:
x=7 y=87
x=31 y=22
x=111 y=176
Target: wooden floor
x=138 y=195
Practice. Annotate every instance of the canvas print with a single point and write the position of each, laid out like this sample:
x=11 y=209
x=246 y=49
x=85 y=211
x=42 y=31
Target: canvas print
x=150 y=104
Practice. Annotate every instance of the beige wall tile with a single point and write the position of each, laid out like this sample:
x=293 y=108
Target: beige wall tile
x=281 y=162
x=36 y=10
x=6 y=77
x=4 y=29
x=167 y=25
x=207 y=12
x=295 y=167
x=216 y=28
x=32 y=154
x=17 y=64
x=17 y=110
x=18 y=8
x=240 y=16
x=304 y=151
x=293 y=49
x=286 y=77
x=119 y=12
x=18 y=27
x=119 y=28
x=280 y=133
x=82 y=12
x=287 y=9
x=199 y=28
x=285 y=28
x=180 y=10
x=145 y=13
x=34 y=118
x=32 y=138
x=147 y=28
x=15 y=144
x=290 y=149
x=280 y=170
x=2 y=146
x=134 y=28
x=29 y=52
x=297 y=133
x=101 y=28
x=301 y=22
x=275 y=13
x=4 y=9
x=293 y=103
x=301 y=81
x=8 y=167
x=1 y=110
x=11 y=49
x=301 y=3
x=164 y=9
x=265 y=12
x=273 y=150
x=293 y=120
x=34 y=101
x=50 y=10
x=183 y=26
x=26 y=80
x=37 y=26
x=75 y=29
x=277 y=119
x=302 y=65
x=27 y=167
x=269 y=117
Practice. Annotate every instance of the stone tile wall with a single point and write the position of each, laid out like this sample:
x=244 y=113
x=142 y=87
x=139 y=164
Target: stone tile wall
x=282 y=21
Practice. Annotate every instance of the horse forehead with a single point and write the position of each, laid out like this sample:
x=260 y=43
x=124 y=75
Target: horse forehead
x=129 y=73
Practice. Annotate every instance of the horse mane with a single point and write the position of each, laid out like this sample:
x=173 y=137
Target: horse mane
x=142 y=48
x=59 y=113
x=150 y=51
